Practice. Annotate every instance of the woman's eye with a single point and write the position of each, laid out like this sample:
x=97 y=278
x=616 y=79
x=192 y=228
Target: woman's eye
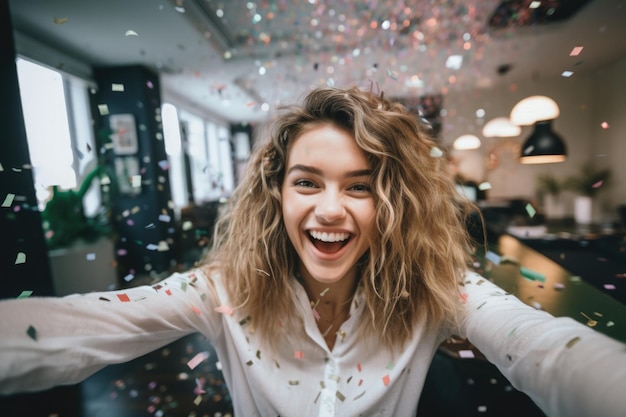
x=361 y=188
x=304 y=183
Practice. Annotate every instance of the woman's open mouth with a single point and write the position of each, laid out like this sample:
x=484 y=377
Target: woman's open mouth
x=328 y=242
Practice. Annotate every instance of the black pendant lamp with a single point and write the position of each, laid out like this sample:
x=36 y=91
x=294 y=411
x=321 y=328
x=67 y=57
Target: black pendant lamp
x=543 y=146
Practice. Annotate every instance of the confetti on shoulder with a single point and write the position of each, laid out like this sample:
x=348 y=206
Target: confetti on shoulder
x=224 y=309
x=32 y=332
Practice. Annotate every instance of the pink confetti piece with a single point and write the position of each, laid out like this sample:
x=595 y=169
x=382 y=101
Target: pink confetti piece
x=386 y=379
x=225 y=310
x=464 y=297
x=316 y=314
x=298 y=354
x=576 y=51
x=196 y=310
x=604 y=125
x=609 y=286
x=358 y=367
x=123 y=298
x=197 y=360
x=168 y=292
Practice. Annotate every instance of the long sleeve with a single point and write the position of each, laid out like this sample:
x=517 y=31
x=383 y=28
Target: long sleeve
x=567 y=368
x=46 y=341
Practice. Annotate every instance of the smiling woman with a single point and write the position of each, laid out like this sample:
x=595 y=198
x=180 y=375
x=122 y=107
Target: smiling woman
x=340 y=267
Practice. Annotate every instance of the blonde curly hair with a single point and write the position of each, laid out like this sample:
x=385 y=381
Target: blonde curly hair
x=414 y=266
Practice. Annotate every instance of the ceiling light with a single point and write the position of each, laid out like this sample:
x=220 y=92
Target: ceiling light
x=466 y=142
x=543 y=146
x=533 y=109
x=501 y=127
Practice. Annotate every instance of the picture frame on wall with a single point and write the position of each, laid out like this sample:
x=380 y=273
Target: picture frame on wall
x=128 y=175
x=124 y=134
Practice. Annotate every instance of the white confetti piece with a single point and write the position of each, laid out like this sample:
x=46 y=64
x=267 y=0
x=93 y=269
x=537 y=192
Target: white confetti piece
x=8 y=200
x=21 y=258
x=466 y=354
x=435 y=152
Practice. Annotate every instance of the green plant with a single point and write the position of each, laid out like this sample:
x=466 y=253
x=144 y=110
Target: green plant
x=590 y=180
x=64 y=220
x=549 y=184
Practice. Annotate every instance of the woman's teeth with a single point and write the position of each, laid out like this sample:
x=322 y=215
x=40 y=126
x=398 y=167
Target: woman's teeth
x=329 y=237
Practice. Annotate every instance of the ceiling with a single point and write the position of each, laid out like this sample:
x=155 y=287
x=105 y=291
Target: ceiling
x=240 y=59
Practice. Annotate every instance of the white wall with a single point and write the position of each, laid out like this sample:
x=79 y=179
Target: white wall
x=585 y=102
x=609 y=97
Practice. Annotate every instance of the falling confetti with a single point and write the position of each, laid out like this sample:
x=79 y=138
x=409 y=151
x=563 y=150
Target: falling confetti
x=32 y=332
x=131 y=33
x=196 y=360
x=8 y=200
x=59 y=20
x=20 y=259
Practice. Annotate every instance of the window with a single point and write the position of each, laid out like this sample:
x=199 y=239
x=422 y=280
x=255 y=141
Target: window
x=58 y=130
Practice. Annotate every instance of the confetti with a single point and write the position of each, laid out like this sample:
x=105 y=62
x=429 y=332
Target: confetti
x=8 y=200
x=59 y=20
x=131 y=33
x=532 y=275
x=21 y=258
x=117 y=87
x=484 y=186
x=466 y=354
x=530 y=210
x=386 y=379
x=123 y=298
x=298 y=354
x=572 y=342
x=493 y=257
x=198 y=359
x=576 y=51
x=609 y=286
x=435 y=152
x=90 y=256
x=32 y=332
x=25 y=294
x=224 y=309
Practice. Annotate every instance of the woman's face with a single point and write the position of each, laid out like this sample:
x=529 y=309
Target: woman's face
x=327 y=202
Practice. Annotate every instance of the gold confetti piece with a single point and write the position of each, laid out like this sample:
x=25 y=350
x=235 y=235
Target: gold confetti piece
x=25 y=294
x=340 y=396
x=117 y=87
x=131 y=33
x=32 y=332
x=572 y=342
x=59 y=20
x=21 y=258
x=595 y=313
x=249 y=363
x=197 y=400
x=590 y=322
x=323 y=293
x=258 y=354
x=8 y=200
x=294 y=382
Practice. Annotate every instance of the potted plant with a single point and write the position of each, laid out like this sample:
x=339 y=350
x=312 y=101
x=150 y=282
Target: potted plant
x=586 y=185
x=550 y=188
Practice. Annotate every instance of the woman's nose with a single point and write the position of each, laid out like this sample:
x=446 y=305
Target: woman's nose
x=330 y=207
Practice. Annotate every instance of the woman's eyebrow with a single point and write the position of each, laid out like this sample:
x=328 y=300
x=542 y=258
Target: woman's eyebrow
x=316 y=171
